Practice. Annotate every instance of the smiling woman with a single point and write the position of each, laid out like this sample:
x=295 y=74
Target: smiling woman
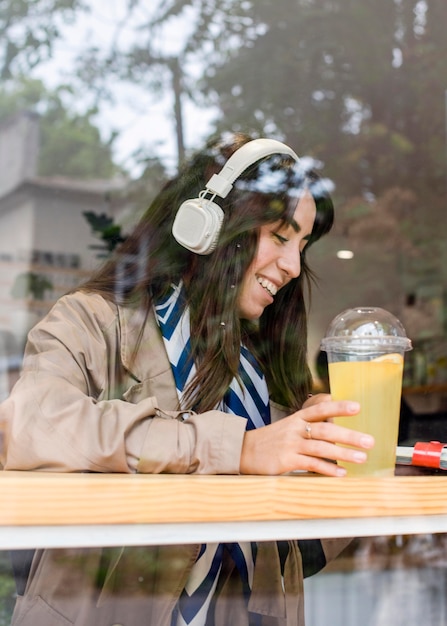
x=168 y=360
x=173 y=358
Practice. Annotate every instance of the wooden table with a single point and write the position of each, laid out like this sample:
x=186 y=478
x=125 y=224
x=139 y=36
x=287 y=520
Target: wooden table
x=73 y=510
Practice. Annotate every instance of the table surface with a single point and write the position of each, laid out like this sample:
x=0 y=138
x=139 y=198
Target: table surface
x=54 y=510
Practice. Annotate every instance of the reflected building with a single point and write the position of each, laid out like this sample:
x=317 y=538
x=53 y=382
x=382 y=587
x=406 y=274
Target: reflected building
x=46 y=244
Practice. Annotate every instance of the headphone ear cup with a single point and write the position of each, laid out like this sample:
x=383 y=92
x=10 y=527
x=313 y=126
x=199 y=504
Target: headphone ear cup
x=197 y=225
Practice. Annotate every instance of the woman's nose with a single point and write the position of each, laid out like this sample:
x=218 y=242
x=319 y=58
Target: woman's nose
x=290 y=264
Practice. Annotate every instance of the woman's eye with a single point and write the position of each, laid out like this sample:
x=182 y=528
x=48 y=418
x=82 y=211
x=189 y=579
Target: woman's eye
x=280 y=238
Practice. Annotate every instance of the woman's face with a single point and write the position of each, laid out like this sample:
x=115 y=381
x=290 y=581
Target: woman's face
x=277 y=260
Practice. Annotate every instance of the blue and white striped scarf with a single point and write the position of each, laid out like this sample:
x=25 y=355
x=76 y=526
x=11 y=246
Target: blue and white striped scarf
x=250 y=400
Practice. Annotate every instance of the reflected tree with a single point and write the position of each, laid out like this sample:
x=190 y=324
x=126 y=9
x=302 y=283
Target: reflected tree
x=71 y=144
x=358 y=85
x=142 y=52
x=28 y=30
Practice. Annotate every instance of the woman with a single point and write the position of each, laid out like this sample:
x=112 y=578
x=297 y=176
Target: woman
x=179 y=355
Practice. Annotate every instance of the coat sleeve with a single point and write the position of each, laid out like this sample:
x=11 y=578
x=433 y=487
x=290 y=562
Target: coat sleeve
x=62 y=417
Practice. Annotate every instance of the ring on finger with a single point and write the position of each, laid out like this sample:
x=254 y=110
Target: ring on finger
x=308 y=429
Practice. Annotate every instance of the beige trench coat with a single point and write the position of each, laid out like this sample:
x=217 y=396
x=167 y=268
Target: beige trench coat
x=85 y=402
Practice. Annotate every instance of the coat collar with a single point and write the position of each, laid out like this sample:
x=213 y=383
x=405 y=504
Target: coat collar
x=141 y=341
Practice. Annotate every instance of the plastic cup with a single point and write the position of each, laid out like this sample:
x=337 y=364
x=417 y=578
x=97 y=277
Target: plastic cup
x=365 y=351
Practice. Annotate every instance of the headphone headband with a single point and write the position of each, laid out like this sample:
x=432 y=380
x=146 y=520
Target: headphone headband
x=221 y=184
x=198 y=221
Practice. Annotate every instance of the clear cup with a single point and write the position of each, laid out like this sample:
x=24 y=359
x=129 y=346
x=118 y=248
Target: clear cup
x=365 y=351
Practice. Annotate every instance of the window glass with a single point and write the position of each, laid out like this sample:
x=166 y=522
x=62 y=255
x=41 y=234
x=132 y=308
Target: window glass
x=100 y=104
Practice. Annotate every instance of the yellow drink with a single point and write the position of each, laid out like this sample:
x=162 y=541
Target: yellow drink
x=377 y=386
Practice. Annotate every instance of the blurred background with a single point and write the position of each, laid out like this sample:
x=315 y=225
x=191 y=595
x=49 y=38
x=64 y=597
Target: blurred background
x=101 y=100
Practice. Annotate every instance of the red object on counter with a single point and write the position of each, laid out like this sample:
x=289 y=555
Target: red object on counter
x=428 y=453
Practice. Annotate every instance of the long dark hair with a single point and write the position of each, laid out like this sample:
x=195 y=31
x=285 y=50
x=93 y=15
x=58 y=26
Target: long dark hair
x=150 y=261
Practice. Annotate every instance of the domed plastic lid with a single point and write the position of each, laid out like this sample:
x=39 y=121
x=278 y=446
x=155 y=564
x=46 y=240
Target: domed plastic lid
x=365 y=328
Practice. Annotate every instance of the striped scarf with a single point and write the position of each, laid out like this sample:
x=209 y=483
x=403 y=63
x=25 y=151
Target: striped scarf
x=247 y=399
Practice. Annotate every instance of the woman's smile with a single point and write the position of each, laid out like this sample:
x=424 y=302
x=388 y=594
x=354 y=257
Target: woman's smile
x=268 y=285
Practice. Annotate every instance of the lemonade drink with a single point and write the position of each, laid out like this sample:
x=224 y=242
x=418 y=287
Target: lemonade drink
x=377 y=386
x=365 y=350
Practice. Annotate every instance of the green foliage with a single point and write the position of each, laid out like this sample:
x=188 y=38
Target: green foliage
x=359 y=85
x=105 y=228
x=328 y=76
x=31 y=284
x=7 y=589
x=71 y=144
x=28 y=30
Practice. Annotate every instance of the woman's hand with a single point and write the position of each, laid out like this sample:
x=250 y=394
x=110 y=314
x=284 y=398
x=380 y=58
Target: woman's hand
x=305 y=440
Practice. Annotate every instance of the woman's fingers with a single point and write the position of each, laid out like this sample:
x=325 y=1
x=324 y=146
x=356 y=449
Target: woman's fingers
x=306 y=441
x=330 y=432
x=324 y=409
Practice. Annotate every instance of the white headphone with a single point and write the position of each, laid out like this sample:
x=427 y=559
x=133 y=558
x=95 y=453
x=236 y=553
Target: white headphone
x=198 y=221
